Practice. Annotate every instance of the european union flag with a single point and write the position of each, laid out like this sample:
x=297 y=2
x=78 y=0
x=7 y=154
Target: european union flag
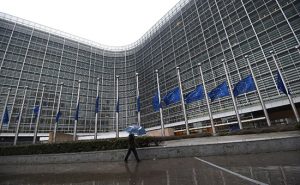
x=243 y=86
x=118 y=106
x=5 y=117
x=36 y=111
x=195 y=95
x=280 y=84
x=219 y=92
x=97 y=105
x=172 y=96
x=138 y=104
x=58 y=114
x=77 y=112
x=155 y=102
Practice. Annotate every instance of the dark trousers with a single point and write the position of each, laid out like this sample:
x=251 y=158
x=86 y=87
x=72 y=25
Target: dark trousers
x=134 y=152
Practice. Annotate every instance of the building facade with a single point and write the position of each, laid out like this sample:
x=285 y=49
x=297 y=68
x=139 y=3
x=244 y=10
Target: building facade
x=193 y=31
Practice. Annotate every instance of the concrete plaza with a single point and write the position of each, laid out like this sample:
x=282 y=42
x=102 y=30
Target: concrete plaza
x=271 y=158
x=265 y=168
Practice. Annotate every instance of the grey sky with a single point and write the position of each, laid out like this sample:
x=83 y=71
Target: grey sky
x=108 y=22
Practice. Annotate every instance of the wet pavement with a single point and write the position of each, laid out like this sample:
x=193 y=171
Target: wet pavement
x=266 y=168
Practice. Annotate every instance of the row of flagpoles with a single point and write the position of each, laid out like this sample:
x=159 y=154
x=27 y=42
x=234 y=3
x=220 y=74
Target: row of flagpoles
x=37 y=111
x=245 y=85
x=176 y=95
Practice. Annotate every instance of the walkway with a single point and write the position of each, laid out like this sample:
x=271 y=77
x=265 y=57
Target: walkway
x=230 y=139
x=277 y=168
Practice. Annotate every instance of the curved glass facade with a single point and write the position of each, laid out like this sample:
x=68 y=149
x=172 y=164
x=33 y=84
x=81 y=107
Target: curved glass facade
x=194 y=31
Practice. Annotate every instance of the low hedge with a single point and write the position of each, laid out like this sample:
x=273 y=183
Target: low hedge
x=79 y=146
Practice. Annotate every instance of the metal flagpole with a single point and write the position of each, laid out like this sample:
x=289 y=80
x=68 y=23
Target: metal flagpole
x=117 y=107
x=160 y=108
x=137 y=98
x=258 y=92
x=38 y=116
x=182 y=102
x=96 y=117
x=207 y=101
x=76 y=120
x=5 y=107
x=20 y=118
x=232 y=96
x=57 y=112
x=289 y=96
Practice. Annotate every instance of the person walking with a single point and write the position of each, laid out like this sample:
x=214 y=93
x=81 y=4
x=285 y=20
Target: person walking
x=131 y=147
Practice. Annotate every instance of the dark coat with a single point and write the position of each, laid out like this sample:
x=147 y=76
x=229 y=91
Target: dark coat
x=131 y=141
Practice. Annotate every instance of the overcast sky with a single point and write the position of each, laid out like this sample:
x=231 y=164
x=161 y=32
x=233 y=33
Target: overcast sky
x=108 y=22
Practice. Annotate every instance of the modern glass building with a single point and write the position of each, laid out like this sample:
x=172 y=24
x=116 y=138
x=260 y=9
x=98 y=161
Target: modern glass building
x=193 y=31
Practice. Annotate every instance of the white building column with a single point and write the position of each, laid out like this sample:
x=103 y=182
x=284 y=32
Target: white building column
x=232 y=96
x=259 y=94
x=182 y=103
x=162 y=127
x=207 y=101
x=20 y=118
x=38 y=116
x=288 y=94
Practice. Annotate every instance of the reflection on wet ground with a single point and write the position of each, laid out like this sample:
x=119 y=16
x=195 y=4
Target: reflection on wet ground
x=269 y=168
